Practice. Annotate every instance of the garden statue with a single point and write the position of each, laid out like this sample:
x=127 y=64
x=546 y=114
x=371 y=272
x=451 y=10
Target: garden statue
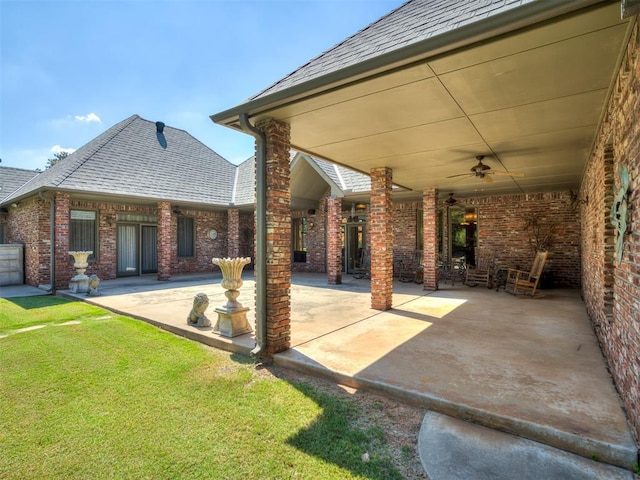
x=94 y=281
x=196 y=316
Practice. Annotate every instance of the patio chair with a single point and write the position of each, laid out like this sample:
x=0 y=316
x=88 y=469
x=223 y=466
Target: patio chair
x=481 y=273
x=520 y=281
x=453 y=271
x=411 y=270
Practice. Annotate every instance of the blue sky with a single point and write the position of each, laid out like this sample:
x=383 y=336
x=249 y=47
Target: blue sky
x=72 y=69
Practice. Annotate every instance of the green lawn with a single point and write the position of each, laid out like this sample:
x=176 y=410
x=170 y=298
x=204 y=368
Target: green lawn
x=112 y=397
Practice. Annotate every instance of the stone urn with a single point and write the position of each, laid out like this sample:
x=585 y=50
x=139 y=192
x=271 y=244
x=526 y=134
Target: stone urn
x=80 y=261
x=80 y=282
x=232 y=316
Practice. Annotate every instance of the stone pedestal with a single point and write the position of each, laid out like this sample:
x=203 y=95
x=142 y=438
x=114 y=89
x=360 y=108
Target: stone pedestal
x=79 y=284
x=232 y=322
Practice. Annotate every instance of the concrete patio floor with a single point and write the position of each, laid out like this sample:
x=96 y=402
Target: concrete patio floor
x=527 y=366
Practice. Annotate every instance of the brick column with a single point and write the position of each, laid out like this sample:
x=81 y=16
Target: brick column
x=278 y=225
x=164 y=240
x=63 y=265
x=381 y=233
x=430 y=238
x=334 y=241
x=233 y=233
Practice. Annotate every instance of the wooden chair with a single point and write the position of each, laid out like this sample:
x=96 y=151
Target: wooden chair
x=519 y=281
x=412 y=270
x=481 y=273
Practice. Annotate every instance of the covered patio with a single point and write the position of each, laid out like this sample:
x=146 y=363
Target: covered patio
x=527 y=366
x=514 y=107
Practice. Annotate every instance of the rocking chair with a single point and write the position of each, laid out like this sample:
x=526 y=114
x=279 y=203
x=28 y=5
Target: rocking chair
x=480 y=274
x=412 y=270
x=519 y=281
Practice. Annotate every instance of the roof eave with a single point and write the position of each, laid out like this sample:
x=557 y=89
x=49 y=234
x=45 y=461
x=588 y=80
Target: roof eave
x=514 y=19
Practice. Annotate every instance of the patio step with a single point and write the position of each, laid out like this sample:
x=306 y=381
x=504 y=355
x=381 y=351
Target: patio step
x=622 y=454
x=452 y=449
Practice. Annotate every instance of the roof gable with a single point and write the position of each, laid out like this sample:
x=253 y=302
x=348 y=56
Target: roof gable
x=12 y=179
x=133 y=159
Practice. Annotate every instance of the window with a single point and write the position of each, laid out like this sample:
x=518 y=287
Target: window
x=299 y=239
x=186 y=237
x=83 y=232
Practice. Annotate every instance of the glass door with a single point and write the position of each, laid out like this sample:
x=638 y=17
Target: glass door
x=149 y=248
x=353 y=247
x=127 y=250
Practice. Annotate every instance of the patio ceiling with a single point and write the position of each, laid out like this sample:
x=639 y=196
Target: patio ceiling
x=530 y=101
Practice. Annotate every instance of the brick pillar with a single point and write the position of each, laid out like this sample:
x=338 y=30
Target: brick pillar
x=278 y=225
x=381 y=233
x=334 y=241
x=430 y=238
x=233 y=232
x=63 y=264
x=164 y=240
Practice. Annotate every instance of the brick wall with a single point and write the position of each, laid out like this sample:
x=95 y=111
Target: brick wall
x=63 y=266
x=206 y=248
x=502 y=227
x=246 y=239
x=612 y=291
x=404 y=232
x=29 y=224
x=315 y=242
x=233 y=233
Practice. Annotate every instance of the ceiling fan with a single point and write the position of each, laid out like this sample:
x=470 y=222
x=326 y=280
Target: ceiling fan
x=483 y=171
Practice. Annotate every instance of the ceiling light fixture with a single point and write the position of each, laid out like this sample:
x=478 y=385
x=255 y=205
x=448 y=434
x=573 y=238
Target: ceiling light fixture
x=451 y=201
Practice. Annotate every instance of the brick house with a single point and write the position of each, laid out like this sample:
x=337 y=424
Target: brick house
x=545 y=89
x=144 y=198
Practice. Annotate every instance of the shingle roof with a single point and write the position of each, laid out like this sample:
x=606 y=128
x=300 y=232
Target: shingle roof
x=412 y=22
x=348 y=180
x=13 y=178
x=132 y=159
x=245 y=183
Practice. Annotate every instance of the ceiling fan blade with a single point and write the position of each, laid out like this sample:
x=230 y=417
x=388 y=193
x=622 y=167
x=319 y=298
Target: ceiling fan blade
x=508 y=174
x=460 y=175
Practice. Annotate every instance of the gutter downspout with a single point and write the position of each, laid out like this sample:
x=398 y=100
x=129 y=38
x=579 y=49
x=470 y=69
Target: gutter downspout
x=261 y=229
x=52 y=235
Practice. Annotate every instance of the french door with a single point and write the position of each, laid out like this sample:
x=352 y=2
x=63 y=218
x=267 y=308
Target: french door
x=136 y=249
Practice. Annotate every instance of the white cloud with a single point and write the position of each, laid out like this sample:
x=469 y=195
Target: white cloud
x=58 y=149
x=92 y=117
